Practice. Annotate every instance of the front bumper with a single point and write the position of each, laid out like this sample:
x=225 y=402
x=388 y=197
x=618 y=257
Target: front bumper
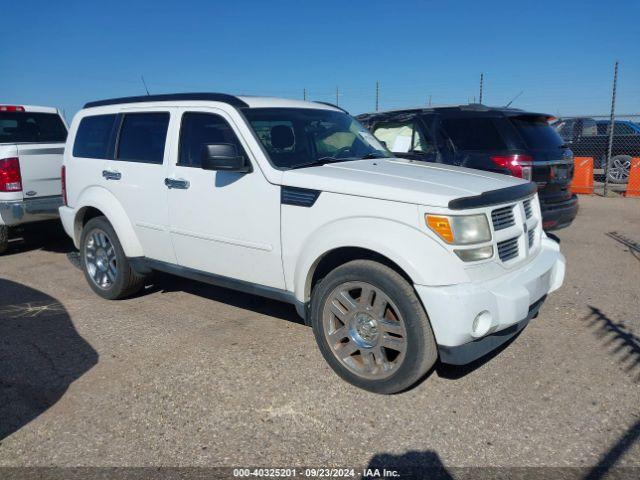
x=17 y=212
x=510 y=301
x=558 y=215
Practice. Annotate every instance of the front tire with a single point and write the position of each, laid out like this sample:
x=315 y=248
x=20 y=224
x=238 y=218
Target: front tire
x=104 y=263
x=371 y=327
x=4 y=238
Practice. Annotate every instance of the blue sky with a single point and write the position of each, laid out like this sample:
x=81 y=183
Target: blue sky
x=559 y=53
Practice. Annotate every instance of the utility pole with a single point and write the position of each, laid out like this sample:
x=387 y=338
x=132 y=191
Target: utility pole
x=481 y=85
x=304 y=94
x=429 y=100
x=337 y=96
x=377 y=95
x=612 y=120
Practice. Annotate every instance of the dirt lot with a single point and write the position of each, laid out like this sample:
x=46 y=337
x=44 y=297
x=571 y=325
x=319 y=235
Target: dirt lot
x=192 y=375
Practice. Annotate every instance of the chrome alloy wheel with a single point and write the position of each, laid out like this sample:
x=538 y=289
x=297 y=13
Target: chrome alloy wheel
x=618 y=171
x=365 y=330
x=100 y=259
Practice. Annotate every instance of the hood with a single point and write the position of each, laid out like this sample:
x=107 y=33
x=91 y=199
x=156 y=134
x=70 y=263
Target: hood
x=399 y=180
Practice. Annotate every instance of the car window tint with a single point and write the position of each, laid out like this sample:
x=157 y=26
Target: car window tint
x=402 y=137
x=93 y=138
x=622 y=129
x=31 y=127
x=473 y=133
x=537 y=133
x=200 y=129
x=143 y=137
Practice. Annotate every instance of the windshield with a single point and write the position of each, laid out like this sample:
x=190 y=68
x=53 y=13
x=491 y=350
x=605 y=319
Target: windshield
x=304 y=136
x=537 y=133
x=31 y=127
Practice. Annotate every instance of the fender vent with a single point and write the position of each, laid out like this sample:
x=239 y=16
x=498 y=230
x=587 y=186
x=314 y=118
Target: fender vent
x=300 y=197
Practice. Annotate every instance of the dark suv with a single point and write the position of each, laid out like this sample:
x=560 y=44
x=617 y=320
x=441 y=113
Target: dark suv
x=502 y=140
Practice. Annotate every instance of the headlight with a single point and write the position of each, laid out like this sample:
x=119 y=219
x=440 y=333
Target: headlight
x=460 y=229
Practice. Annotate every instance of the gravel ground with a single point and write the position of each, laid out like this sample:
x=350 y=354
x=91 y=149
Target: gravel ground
x=191 y=375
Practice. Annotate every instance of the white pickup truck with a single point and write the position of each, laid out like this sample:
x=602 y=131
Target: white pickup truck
x=394 y=263
x=31 y=148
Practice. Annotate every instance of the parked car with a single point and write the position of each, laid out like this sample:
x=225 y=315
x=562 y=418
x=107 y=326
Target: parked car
x=393 y=262
x=501 y=140
x=31 y=145
x=590 y=138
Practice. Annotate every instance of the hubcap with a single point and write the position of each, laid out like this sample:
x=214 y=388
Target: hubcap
x=100 y=259
x=365 y=330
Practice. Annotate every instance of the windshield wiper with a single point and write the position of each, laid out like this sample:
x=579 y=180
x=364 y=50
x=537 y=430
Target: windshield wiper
x=325 y=160
x=319 y=162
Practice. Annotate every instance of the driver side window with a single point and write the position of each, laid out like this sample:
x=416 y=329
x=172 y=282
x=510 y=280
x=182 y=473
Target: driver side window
x=402 y=137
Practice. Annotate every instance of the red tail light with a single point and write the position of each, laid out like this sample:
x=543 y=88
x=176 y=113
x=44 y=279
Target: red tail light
x=11 y=108
x=519 y=165
x=10 y=177
x=63 y=179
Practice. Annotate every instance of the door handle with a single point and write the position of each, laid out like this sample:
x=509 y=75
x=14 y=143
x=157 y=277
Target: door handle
x=111 y=174
x=178 y=183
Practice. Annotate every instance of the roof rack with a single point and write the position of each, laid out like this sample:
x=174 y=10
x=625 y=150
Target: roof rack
x=212 y=97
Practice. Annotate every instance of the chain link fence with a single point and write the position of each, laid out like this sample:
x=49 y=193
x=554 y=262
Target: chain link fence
x=591 y=136
x=612 y=143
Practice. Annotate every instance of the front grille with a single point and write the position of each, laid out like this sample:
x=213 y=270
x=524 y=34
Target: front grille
x=527 y=208
x=531 y=236
x=502 y=218
x=508 y=249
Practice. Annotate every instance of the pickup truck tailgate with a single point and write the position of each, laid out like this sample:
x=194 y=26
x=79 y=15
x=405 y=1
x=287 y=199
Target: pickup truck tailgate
x=40 y=166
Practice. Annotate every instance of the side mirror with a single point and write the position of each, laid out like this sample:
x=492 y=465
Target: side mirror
x=224 y=157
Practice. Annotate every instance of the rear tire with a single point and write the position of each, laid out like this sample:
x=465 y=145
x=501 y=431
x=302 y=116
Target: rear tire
x=4 y=238
x=104 y=263
x=371 y=327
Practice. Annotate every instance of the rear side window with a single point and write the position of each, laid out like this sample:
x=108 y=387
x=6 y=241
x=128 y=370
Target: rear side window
x=200 y=129
x=143 y=137
x=93 y=139
x=537 y=133
x=473 y=133
x=31 y=127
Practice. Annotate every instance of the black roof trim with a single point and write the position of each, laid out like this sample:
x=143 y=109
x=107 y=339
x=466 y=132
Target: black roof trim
x=494 y=197
x=472 y=108
x=170 y=97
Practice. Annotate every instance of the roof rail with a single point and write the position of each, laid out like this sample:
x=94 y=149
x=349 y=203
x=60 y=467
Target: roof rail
x=331 y=105
x=212 y=97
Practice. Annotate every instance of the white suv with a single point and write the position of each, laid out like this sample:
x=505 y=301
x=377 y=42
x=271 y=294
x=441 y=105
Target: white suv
x=31 y=146
x=394 y=263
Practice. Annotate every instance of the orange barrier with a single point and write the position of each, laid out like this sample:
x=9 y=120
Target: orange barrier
x=633 y=187
x=582 y=175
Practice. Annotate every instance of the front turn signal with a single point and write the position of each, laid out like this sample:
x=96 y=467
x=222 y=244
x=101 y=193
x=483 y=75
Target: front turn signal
x=441 y=226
